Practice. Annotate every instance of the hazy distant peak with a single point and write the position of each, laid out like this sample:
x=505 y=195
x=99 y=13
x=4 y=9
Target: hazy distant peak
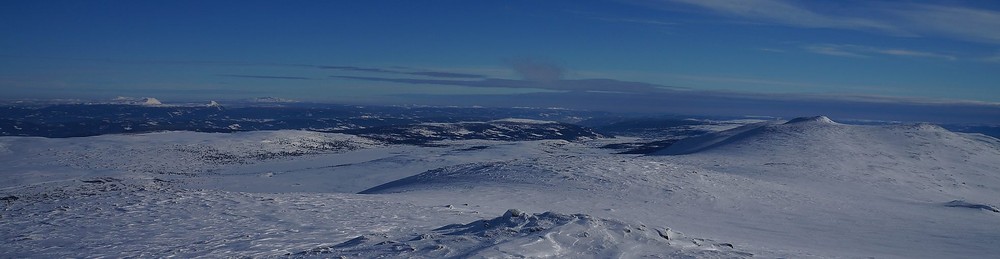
x=151 y=101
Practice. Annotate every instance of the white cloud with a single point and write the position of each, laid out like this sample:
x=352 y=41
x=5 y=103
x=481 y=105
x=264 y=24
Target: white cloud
x=615 y=19
x=789 y=14
x=832 y=50
x=895 y=19
x=955 y=22
x=856 y=51
x=639 y=21
x=911 y=53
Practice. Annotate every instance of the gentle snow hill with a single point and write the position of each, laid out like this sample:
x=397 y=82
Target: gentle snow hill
x=517 y=234
x=920 y=157
x=911 y=171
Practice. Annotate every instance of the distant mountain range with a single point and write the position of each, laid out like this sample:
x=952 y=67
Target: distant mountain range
x=393 y=123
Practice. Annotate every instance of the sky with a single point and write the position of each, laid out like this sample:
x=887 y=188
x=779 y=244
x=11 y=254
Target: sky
x=925 y=52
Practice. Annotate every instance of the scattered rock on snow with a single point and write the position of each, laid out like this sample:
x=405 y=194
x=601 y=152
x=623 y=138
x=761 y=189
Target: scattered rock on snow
x=965 y=204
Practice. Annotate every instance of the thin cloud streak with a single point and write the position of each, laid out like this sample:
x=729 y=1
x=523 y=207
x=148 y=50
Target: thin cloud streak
x=739 y=104
x=956 y=22
x=400 y=71
x=610 y=19
x=857 y=51
x=267 y=77
x=832 y=50
x=537 y=70
x=788 y=14
x=573 y=85
x=920 y=54
x=896 y=19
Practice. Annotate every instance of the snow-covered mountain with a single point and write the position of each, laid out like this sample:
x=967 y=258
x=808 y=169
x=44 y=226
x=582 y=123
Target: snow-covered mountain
x=804 y=188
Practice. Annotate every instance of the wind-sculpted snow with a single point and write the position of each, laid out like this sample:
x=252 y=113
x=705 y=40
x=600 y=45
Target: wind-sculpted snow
x=131 y=217
x=517 y=234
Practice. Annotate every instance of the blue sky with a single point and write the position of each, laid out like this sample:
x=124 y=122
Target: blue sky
x=376 y=51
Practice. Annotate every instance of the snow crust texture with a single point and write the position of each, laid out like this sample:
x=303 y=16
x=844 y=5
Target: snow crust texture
x=517 y=234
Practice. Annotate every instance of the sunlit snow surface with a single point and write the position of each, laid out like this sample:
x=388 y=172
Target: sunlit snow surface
x=807 y=188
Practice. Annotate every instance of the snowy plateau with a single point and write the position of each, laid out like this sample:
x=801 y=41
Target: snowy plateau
x=509 y=188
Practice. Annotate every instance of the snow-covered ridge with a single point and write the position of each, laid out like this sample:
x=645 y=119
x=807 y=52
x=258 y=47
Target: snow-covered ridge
x=517 y=234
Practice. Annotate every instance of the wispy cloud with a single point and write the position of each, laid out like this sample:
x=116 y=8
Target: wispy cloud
x=404 y=71
x=267 y=77
x=951 y=21
x=636 y=20
x=911 y=53
x=857 y=51
x=891 y=18
x=535 y=73
x=537 y=70
x=832 y=50
x=772 y=50
x=791 y=14
x=572 y=85
x=617 y=19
